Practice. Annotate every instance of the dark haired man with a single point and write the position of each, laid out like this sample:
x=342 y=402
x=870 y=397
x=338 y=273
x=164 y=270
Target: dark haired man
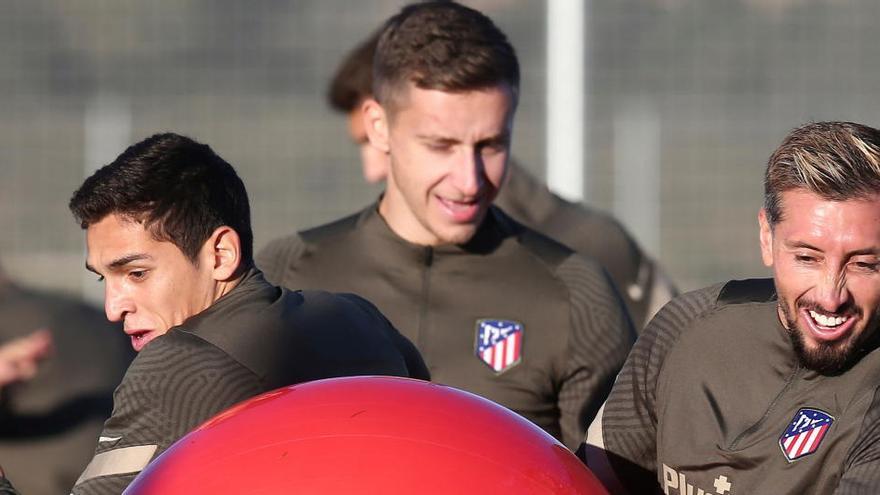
x=642 y=283
x=168 y=232
x=495 y=308
x=767 y=386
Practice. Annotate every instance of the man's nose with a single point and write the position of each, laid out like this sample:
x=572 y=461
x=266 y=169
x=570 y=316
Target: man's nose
x=832 y=291
x=116 y=304
x=468 y=173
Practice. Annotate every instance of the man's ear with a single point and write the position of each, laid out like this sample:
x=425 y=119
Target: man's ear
x=766 y=232
x=223 y=252
x=376 y=124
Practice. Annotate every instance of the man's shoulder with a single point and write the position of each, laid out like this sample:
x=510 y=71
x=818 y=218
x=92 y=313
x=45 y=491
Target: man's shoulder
x=706 y=315
x=331 y=231
x=732 y=293
x=176 y=351
x=280 y=254
x=538 y=245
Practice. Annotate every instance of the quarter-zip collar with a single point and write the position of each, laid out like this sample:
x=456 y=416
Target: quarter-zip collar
x=491 y=233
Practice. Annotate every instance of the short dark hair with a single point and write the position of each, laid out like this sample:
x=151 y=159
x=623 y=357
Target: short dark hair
x=445 y=46
x=835 y=160
x=353 y=81
x=178 y=188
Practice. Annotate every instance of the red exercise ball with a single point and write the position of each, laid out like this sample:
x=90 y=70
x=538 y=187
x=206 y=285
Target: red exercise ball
x=367 y=435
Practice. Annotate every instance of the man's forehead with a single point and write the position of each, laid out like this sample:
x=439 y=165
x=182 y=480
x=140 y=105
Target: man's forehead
x=801 y=200
x=116 y=238
x=811 y=220
x=401 y=97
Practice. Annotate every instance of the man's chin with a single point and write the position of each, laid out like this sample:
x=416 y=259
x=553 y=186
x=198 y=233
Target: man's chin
x=448 y=233
x=827 y=358
x=457 y=236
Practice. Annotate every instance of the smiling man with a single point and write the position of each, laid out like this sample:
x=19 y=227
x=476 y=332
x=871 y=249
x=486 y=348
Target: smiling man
x=767 y=386
x=168 y=233
x=495 y=308
x=641 y=281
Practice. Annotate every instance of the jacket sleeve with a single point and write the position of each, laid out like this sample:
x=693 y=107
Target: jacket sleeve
x=175 y=384
x=861 y=474
x=600 y=336
x=412 y=358
x=621 y=443
x=6 y=487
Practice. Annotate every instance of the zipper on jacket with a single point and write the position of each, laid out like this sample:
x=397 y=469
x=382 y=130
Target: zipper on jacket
x=755 y=427
x=428 y=260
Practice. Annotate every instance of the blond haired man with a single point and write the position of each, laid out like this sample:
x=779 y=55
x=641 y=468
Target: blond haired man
x=767 y=386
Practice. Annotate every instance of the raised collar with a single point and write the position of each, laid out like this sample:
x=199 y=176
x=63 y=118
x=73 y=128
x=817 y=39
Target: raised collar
x=495 y=228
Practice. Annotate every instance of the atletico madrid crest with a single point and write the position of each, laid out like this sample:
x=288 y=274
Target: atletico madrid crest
x=805 y=433
x=499 y=343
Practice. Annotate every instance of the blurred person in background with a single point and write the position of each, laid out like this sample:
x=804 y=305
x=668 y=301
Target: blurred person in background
x=641 y=281
x=60 y=360
x=767 y=385
x=495 y=307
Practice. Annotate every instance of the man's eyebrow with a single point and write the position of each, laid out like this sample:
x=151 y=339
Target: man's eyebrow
x=801 y=244
x=121 y=261
x=436 y=137
x=128 y=258
x=857 y=252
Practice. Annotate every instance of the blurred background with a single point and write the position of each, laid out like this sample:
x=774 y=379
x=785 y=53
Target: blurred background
x=683 y=101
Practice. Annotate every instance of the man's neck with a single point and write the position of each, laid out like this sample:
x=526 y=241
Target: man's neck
x=224 y=287
x=403 y=223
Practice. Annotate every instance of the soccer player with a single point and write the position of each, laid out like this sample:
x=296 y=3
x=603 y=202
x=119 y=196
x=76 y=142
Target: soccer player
x=168 y=234
x=641 y=282
x=494 y=307
x=767 y=385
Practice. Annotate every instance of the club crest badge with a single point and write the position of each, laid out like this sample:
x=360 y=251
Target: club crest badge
x=499 y=343
x=804 y=434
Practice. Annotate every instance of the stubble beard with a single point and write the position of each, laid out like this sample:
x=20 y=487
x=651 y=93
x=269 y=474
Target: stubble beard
x=826 y=358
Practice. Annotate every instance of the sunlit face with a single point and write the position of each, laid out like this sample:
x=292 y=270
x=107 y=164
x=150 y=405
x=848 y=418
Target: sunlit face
x=374 y=162
x=825 y=257
x=448 y=156
x=149 y=285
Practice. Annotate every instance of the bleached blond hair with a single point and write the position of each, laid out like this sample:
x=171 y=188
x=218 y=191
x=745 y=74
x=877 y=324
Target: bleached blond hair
x=836 y=160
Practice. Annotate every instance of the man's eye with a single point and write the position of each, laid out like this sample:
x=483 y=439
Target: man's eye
x=803 y=258
x=137 y=274
x=867 y=266
x=440 y=148
x=495 y=146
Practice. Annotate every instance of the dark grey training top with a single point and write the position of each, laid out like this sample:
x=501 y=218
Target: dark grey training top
x=642 y=283
x=48 y=424
x=575 y=330
x=713 y=399
x=256 y=338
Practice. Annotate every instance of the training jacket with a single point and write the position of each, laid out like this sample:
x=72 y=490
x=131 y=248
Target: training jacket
x=711 y=394
x=641 y=281
x=574 y=330
x=256 y=338
x=48 y=424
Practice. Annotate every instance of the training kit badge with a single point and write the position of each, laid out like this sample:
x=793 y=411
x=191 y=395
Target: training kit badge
x=804 y=433
x=499 y=343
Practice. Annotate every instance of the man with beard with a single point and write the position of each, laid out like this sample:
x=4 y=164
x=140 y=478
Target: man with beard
x=767 y=386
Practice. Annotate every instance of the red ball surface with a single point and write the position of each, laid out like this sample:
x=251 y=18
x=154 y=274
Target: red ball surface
x=367 y=435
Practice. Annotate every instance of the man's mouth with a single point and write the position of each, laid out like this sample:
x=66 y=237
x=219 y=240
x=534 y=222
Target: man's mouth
x=828 y=327
x=140 y=338
x=461 y=211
